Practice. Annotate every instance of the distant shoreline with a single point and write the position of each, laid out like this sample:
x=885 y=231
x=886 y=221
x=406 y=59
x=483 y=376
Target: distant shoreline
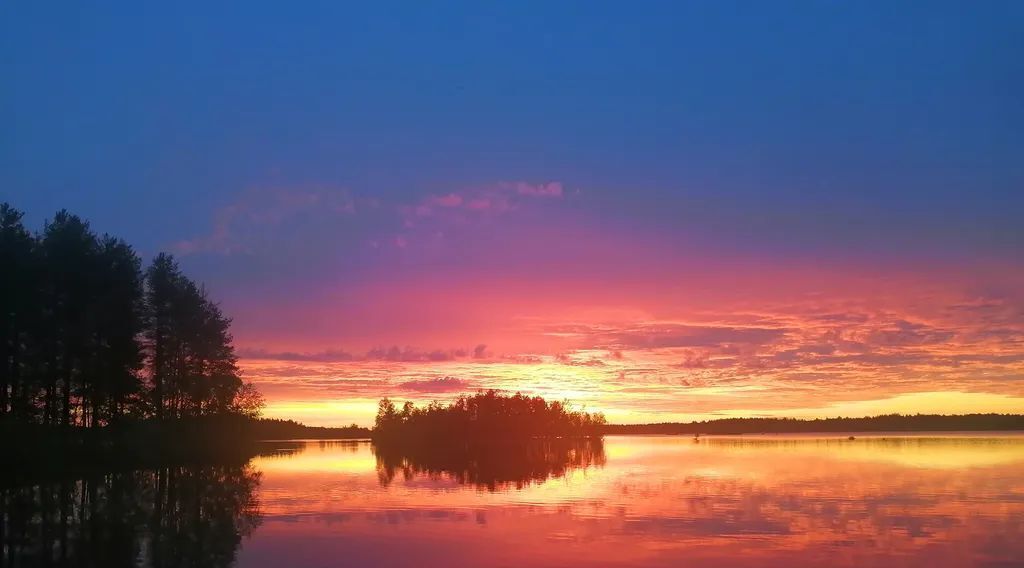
x=840 y=435
x=867 y=435
x=150 y=443
x=893 y=423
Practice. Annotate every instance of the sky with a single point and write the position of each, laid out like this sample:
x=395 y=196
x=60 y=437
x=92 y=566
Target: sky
x=660 y=210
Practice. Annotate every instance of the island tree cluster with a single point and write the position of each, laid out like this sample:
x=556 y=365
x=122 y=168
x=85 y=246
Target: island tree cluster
x=88 y=337
x=484 y=416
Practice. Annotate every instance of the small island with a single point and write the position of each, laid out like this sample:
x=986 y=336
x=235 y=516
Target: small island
x=485 y=417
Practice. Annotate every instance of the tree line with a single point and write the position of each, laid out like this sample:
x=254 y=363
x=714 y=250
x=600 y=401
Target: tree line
x=485 y=416
x=278 y=429
x=89 y=338
x=884 y=423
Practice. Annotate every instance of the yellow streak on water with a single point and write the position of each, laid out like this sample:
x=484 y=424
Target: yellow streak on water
x=880 y=500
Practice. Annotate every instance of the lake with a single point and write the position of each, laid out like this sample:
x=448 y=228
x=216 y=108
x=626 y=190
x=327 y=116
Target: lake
x=878 y=500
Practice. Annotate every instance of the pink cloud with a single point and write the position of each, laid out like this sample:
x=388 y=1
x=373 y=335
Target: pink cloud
x=441 y=385
x=479 y=204
x=816 y=342
x=288 y=222
x=515 y=267
x=499 y=197
x=449 y=200
x=551 y=189
x=237 y=225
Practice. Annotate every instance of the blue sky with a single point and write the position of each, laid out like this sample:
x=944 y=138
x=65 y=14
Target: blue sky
x=663 y=209
x=905 y=118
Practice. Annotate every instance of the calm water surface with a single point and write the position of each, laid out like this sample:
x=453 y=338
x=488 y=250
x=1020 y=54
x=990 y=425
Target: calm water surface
x=951 y=500
x=658 y=501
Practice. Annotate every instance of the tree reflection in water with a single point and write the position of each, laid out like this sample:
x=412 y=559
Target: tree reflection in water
x=492 y=467
x=174 y=516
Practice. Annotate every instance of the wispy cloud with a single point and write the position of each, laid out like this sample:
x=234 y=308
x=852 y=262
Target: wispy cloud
x=392 y=353
x=259 y=211
x=316 y=223
x=794 y=357
x=441 y=385
x=499 y=286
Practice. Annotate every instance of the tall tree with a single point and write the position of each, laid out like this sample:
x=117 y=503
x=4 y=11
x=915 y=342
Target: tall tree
x=192 y=365
x=217 y=377
x=69 y=258
x=117 y=350
x=163 y=280
x=18 y=307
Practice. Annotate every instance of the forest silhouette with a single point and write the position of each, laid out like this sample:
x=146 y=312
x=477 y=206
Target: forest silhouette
x=106 y=364
x=90 y=339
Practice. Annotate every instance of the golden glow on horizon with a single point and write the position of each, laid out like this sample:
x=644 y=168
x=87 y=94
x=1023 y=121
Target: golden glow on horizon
x=949 y=402
x=362 y=412
x=324 y=412
x=805 y=344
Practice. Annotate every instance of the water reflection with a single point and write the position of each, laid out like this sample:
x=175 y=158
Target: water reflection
x=285 y=448
x=658 y=501
x=177 y=516
x=928 y=501
x=500 y=467
x=952 y=450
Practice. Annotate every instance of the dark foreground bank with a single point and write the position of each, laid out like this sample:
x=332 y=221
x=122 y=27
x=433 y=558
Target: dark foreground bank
x=32 y=450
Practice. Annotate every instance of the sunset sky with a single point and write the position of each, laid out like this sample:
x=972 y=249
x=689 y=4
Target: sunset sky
x=660 y=210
